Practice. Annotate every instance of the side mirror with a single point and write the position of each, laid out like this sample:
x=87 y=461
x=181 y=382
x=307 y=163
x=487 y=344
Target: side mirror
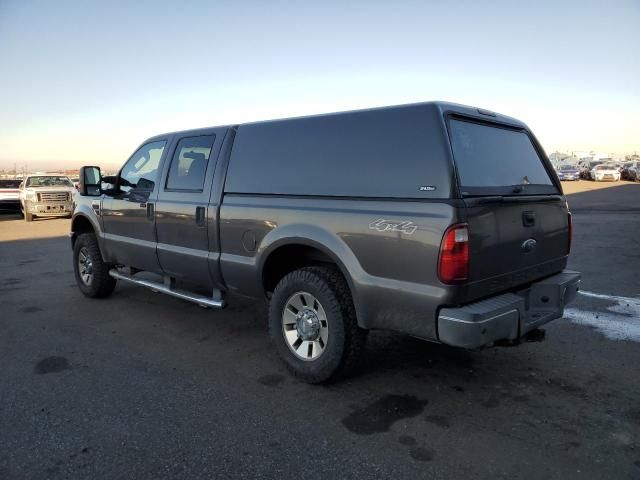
x=89 y=184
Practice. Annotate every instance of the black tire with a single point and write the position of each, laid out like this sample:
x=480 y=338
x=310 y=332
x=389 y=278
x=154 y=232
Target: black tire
x=346 y=339
x=100 y=283
x=28 y=217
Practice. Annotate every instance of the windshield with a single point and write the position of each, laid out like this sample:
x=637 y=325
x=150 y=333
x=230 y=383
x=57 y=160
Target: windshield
x=605 y=167
x=567 y=167
x=48 y=181
x=497 y=161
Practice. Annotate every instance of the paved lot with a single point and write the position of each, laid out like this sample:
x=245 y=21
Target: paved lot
x=146 y=386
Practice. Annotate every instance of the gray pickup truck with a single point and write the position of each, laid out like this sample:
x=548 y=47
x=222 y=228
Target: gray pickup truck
x=435 y=220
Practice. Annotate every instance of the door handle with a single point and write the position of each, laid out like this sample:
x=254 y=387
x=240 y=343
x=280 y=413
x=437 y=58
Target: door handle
x=528 y=219
x=150 y=211
x=200 y=216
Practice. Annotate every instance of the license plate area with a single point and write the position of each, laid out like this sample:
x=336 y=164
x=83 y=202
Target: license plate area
x=52 y=208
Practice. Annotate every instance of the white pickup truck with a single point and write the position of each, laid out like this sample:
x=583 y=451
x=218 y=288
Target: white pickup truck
x=46 y=196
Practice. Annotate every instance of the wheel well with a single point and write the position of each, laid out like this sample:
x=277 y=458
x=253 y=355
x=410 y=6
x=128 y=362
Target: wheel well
x=288 y=258
x=79 y=226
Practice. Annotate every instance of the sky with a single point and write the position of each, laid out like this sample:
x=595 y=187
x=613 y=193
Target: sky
x=86 y=82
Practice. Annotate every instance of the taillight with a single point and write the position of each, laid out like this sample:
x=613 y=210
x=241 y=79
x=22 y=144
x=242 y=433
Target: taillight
x=453 y=265
x=570 y=225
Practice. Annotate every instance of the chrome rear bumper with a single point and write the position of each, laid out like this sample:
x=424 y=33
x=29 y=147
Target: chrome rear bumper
x=508 y=316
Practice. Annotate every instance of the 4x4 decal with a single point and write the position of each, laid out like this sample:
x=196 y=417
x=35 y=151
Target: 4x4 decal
x=383 y=225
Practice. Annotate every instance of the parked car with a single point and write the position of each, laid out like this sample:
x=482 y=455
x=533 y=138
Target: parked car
x=9 y=194
x=436 y=220
x=568 y=172
x=605 y=172
x=585 y=173
x=46 y=196
x=585 y=168
x=630 y=171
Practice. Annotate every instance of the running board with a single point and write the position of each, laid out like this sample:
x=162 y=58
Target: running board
x=167 y=288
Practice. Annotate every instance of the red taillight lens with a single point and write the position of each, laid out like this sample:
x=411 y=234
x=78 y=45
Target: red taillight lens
x=453 y=265
x=570 y=225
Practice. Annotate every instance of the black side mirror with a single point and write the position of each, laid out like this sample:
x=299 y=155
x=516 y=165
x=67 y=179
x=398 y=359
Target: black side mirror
x=89 y=184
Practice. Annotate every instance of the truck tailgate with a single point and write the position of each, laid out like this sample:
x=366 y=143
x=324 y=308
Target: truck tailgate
x=515 y=240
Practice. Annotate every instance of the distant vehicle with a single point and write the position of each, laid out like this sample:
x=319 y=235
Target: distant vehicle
x=605 y=172
x=587 y=168
x=9 y=194
x=568 y=172
x=46 y=196
x=630 y=171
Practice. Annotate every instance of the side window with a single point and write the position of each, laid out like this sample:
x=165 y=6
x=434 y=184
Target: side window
x=140 y=173
x=189 y=163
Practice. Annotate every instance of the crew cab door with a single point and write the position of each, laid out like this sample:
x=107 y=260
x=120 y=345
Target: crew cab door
x=128 y=213
x=183 y=216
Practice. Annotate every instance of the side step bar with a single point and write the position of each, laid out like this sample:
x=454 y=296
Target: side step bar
x=211 y=302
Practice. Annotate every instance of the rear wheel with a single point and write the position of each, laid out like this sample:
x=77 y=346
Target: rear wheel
x=312 y=324
x=92 y=273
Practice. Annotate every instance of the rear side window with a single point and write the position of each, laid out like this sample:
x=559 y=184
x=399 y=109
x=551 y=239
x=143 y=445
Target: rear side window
x=189 y=163
x=497 y=161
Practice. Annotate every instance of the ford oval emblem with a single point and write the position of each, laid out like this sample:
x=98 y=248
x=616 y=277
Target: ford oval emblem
x=529 y=245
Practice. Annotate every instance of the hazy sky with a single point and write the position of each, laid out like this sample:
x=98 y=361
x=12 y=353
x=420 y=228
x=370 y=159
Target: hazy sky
x=86 y=82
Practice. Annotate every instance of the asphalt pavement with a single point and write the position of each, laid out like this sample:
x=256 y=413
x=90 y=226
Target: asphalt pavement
x=142 y=385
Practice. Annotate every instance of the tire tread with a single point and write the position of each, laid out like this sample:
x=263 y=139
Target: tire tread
x=103 y=284
x=329 y=281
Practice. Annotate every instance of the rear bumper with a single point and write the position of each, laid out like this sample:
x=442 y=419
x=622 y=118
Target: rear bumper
x=508 y=316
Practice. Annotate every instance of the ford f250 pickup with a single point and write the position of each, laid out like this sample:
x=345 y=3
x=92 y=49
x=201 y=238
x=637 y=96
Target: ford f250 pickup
x=435 y=220
x=46 y=196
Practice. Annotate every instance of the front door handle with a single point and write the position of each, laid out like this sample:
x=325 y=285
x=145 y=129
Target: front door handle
x=200 y=216
x=150 y=211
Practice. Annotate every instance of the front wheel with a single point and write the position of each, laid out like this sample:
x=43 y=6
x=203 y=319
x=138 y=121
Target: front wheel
x=312 y=324
x=92 y=273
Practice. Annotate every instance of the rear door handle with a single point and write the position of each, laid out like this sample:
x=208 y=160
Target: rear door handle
x=200 y=216
x=150 y=211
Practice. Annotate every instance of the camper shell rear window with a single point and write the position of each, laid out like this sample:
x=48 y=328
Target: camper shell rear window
x=497 y=160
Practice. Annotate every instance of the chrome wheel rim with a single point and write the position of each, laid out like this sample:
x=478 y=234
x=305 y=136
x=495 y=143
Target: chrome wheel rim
x=85 y=266
x=304 y=326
